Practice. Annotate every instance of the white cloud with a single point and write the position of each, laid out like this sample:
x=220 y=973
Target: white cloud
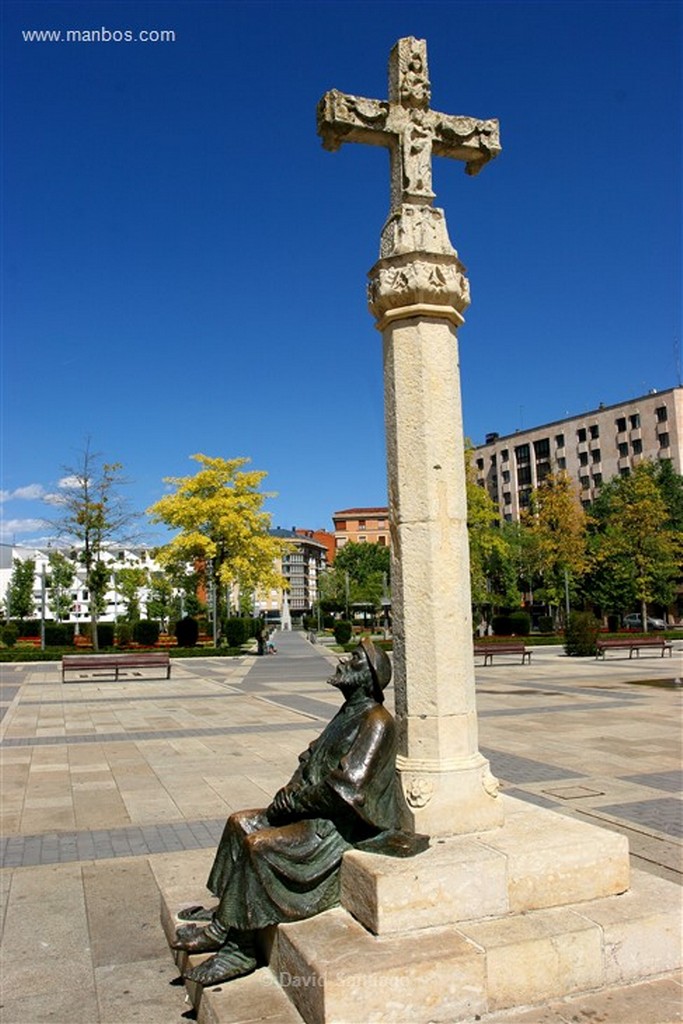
x=31 y=492
x=11 y=527
x=54 y=499
x=69 y=481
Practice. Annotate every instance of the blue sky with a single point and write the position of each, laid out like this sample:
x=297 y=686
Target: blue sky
x=184 y=265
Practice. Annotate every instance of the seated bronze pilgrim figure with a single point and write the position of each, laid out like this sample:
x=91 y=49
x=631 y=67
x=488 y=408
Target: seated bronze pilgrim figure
x=283 y=863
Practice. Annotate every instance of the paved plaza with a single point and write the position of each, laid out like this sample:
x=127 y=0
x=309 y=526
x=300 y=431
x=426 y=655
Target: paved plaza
x=106 y=785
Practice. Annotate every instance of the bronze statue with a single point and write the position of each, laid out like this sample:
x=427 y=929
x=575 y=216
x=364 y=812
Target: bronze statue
x=283 y=863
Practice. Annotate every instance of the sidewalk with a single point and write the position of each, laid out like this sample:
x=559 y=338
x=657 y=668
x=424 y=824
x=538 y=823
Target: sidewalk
x=100 y=780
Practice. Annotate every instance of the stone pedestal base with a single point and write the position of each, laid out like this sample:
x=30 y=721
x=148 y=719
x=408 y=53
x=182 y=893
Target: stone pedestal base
x=469 y=928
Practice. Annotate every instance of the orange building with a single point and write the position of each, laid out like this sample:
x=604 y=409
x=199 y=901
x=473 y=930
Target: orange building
x=323 y=537
x=361 y=526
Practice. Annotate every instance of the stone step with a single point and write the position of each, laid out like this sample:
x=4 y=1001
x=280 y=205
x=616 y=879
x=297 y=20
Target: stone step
x=256 y=999
x=537 y=859
x=336 y=972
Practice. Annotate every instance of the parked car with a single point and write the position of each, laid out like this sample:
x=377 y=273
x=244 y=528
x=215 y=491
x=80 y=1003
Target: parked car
x=635 y=621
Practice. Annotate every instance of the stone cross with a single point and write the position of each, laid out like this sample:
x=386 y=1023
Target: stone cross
x=411 y=131
x=417 y=293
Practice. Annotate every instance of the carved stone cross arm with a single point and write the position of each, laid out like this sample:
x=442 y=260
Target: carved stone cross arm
x=407 y=127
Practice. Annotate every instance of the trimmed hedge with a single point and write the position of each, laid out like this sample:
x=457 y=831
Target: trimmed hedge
x=581 y=635
x=342 y=632
x=146 y=632
x=187 y=632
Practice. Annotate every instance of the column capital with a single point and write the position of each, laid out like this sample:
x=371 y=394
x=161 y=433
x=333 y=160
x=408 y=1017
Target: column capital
x=418 y=284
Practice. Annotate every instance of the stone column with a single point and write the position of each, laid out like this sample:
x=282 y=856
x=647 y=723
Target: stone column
x=417 y=292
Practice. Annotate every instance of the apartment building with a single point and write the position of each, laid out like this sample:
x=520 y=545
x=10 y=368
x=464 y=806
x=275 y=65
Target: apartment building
x=592 y=448
x=361 y=526
x=302 y=562
x=115 y=558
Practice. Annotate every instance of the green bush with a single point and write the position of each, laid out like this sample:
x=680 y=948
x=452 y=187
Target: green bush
x=146 y=632
x=28 y=627
x=187 y=632
x=59 y=634
x=545 y=624
x=124 y=634
x=237 y=631
x=520 y=623
x=581 y=634
x=342 y=632
x=501 y=625
x=9 y=635
x=105 y=634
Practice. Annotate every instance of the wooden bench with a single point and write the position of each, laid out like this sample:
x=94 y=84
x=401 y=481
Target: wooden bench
x=513 y=647
x=115 y=663
x=632 y=644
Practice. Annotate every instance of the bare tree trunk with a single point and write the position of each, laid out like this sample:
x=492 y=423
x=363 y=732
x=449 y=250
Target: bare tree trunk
x=643 y=615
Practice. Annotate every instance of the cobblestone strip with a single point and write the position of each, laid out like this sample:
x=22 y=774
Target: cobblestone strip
x=514 y=768
x=137 y=737
x=665 y=815
x=104 y=844
x=671 y=781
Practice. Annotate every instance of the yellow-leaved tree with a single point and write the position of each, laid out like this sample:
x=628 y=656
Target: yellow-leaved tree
x=556 y=522
x=223 y=531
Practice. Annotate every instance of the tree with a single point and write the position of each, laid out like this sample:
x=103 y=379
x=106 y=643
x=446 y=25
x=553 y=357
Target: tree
x=223 y=531
x=360 y=576
x=557 y=524
x=492 y=574
x=637 y=548
x=129 y=581
x=160 y=604
x=61 y=580
x=20 y=589
x=93 y=515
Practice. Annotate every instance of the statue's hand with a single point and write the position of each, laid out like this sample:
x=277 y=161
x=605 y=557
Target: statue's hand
x=281 y=807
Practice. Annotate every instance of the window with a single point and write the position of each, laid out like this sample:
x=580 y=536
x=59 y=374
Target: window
x=559 y=440
x=361 y=524
x=524 y=498
x=621 y=424
x=505 y=455
x=522 y=453
x=597 y=479
x=542 y=448
x=506 y=476
x=634 y=420
x=542 y=470
x=341 y=524
x=594 y=431
x=561 y=463
x=382 y=541
x=583 y=459
x=662 y=414
x=637 y=446
x=585 y=482
x=581 y=435
x=624 y=471
x=362 y=540
x=507 y=498
x=480 y=463
x=596 y=455
x=493 y=459
x=524 y=475
x=623 y=449
x=663 y=440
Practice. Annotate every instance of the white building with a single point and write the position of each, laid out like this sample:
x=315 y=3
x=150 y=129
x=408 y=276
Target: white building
x=115 y=558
